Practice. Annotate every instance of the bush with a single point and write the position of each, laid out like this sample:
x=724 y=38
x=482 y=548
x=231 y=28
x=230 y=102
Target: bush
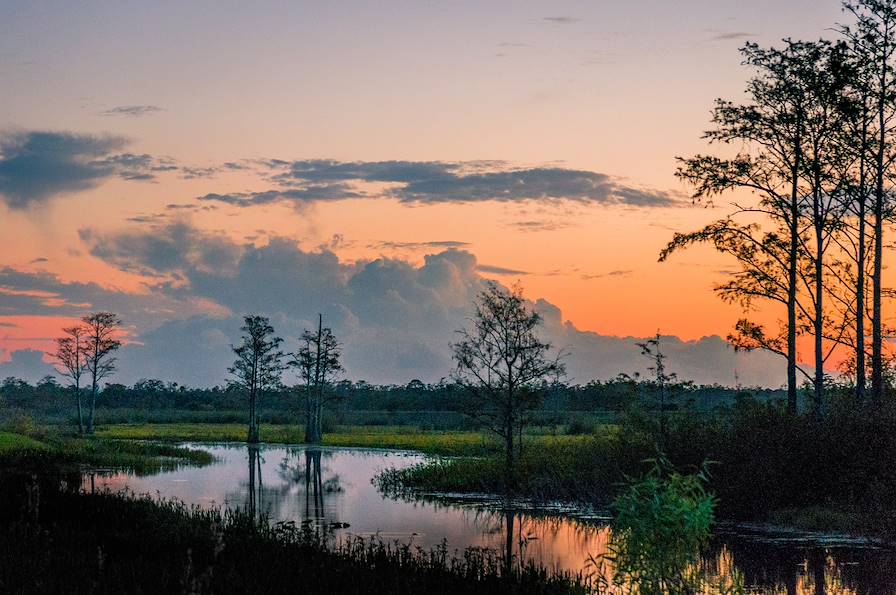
x=662 y=522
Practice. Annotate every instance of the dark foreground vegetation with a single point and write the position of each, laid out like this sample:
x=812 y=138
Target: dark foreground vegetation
x=765 y=464
x=54 y=539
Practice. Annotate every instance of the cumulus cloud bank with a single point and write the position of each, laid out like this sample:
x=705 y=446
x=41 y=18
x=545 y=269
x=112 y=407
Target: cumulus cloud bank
x=397 y=319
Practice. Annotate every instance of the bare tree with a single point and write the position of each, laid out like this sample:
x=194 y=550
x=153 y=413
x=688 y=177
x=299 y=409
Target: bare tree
x=258 y=365
x=651 y=350
x=318 y=363
x=100 y=345
x=502 y=365
x=72 y=362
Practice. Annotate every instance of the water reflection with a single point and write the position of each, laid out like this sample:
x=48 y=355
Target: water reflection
x=332 y=487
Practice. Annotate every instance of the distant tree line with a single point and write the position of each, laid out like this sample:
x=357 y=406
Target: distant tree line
x=616 y=395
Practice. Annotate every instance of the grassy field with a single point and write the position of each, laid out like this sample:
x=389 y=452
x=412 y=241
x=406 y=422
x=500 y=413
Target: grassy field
x=445 y=443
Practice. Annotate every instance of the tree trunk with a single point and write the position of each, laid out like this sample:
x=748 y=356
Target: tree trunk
x=509 y=461
x=508 y=540
x=792 y=274
x=90 y=426
x=877 y=368
x=860 y=265
x=80 y=412
x=819 y=317
x=253 y=436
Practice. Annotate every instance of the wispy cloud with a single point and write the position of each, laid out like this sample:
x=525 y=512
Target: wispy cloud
x=433 y=182
x=729 y=35
x=496 y=270
x=615 y=273
x=132 y=111
x=419 y=245
x=562 y=20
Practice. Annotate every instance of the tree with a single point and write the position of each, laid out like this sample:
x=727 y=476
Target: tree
x=258 y=366
x=786 y=131
x=502 y=365
x=72 y=362
x=651 y=350
x=100 y=343
x=318 y=362
x=873 y=41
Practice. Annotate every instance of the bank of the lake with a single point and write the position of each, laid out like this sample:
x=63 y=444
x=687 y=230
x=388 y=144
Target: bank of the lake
x=55 y=538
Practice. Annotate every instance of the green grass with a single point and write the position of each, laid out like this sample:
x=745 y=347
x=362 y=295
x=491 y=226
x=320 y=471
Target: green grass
x=138 y=457
x=198 y=432
x=576 y=468
x=10 y=441
x=436 y=442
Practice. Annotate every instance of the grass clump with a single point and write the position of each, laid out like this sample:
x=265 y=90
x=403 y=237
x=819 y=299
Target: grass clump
x=10 y=441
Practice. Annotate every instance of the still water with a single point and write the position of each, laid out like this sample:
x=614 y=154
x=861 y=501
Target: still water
x=333 y=488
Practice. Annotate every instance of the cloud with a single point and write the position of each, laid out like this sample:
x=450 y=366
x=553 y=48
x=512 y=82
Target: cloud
x=729 y=35
x=487 y=268
x=434 y=182
x=26 y=364
x=25 y=293
x=616 y=273
x=132 y=111
x=299 y=197
x=165 y=249
x=192 y=173
x=396 y=319
x=537 y=225
x=35 y=166
x=419 y=245
x=561 y=20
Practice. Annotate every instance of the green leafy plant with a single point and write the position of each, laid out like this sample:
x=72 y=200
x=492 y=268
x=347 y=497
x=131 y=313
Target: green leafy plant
x=662 y=522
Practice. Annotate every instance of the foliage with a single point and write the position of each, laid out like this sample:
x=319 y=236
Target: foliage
x=502 y=366
x=662 y=520
x=258 y=365
x=318 y=363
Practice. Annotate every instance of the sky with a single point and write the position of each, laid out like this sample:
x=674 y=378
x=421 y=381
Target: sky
x=184 y=164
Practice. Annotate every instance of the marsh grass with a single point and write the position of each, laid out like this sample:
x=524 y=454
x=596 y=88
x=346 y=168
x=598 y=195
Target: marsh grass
x=137 y=457
x=11 y=441
x=436 y=442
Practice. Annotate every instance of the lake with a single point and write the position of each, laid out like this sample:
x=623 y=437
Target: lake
x=332 y=487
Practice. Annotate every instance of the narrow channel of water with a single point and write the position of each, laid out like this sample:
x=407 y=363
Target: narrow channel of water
x=332 y=487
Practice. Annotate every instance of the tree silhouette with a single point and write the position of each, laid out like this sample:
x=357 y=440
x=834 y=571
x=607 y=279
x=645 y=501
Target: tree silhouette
x=873 y=41
x=318 y=363
x=789 y=137
x=258 y=366
x=71 y=362
x=99 y=348
x=502 y=365
x=651 y=349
